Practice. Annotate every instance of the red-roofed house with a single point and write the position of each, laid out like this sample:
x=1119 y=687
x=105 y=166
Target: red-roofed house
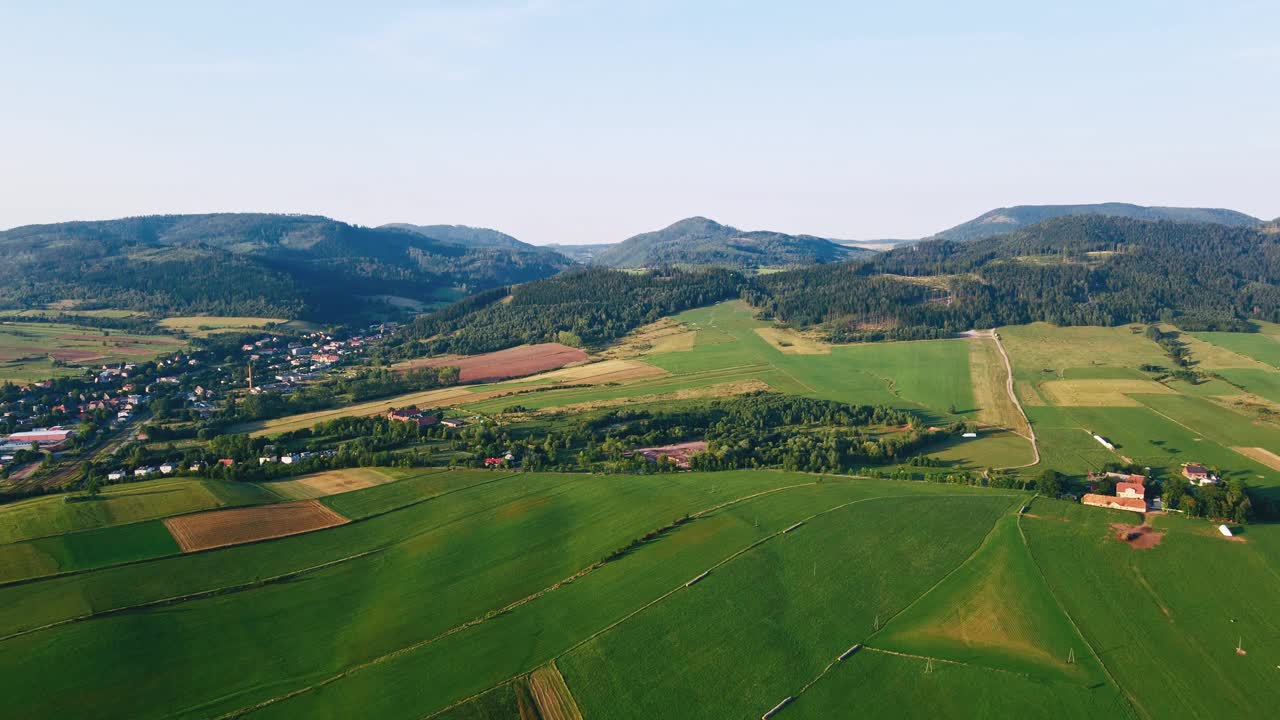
x=1130 y=490
x=1198 y=474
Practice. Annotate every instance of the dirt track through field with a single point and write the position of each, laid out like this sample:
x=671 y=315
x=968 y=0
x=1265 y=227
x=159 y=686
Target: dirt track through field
x=220 y=528
x=1013 y=397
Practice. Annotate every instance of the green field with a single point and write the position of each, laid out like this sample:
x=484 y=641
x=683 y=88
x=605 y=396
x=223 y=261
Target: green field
x=486 y=540
x=120 y=504
x=1166 y=621
x=1262 y=347
x=28 y=351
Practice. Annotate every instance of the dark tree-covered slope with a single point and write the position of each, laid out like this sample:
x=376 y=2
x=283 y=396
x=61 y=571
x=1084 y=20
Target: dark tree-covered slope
x=1006 y=220
x=1084 y=270
x=464 y=235
x=583 y=307
x=699 y=241
x=247 y=264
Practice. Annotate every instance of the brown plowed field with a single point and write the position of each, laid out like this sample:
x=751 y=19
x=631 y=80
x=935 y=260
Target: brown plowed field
x=552 y=695
x=219 y=528
x=503 y=364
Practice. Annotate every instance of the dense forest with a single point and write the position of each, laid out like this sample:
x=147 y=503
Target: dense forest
x=1087 y=270
x=288 y=266
x=587 y=307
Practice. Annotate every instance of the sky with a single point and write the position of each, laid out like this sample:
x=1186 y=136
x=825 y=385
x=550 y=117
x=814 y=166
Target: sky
x=577 y=121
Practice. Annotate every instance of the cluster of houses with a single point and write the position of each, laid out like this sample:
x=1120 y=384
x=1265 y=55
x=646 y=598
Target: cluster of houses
x=1131 y=489
x=291 y=458
x=168 y=468
x=298 y=362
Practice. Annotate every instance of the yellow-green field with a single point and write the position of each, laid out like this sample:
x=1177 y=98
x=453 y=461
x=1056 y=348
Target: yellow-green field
x=206 y=325
x=38 y=351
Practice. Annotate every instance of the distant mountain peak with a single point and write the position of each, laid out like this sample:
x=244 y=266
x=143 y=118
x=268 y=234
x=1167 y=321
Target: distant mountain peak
x=700 y=240
x=1008 y=219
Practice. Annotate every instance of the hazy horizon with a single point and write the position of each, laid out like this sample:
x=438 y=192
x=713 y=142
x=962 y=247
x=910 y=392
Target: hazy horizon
x=580 y=122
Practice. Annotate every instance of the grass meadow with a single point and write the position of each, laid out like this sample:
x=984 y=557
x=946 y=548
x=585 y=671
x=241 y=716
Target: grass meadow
x=28 y=350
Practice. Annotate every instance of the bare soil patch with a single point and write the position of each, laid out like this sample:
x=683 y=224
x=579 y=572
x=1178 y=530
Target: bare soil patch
x=1138 y=537
x=663 y=336
x=504 y=364
x=678 y=453
x=220 y=528
x=1262 y=455
x=552 y=695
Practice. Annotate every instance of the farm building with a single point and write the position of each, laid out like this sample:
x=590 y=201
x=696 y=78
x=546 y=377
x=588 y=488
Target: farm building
x=1131 y=504
x=1130 y=490
x=413 y=414
x=1104 y=442
x=453 y=423
x=1198 y=474
x=42 y=436
x=1226 y=531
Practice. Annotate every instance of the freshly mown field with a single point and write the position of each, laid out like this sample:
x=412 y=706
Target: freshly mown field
x=327 y=483
x=28 y=350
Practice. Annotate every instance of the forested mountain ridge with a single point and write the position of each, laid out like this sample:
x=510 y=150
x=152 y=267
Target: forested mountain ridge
x=1082 y=270
x=1009 y=219
x=586 y=307
x=464 y=235
x=705 y=242
x=247 y=264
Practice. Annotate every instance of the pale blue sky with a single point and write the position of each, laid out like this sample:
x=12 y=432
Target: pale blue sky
x=584 y=121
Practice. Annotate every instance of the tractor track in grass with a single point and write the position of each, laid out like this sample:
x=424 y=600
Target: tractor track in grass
x=805 y=688
x=212 y=592
x=241 y=712
x=684 y=586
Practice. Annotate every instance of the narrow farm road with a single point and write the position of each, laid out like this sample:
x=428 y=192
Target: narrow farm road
x=1013 y=397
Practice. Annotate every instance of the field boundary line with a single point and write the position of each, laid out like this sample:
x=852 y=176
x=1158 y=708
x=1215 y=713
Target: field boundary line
x=680 y=587
x=968 y=558
x=141 y=561
x=1133 y=702
x=516 y=604
x=212 y=592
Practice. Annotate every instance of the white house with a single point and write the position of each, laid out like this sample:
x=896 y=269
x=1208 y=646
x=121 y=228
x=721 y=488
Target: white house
x=168 y=468
x=116 y=475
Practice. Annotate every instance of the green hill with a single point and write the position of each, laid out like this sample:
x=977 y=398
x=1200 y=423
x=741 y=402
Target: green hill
x=248 y=264
x=1008 y=219
x=700 y=241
